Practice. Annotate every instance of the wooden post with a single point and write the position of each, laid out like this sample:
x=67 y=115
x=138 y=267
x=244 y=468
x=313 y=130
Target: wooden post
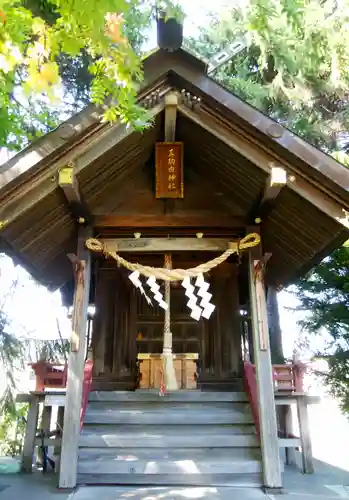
x=289 y=452
x=71 y=427
x=304 y=430
x=59 y=427
x=265 y=389
x=30 y=434
x=46 y=419
x=277 y=355
x=167 y=356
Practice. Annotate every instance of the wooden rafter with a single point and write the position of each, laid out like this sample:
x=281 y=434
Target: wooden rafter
x=23 y=199
x=263 y=159
x=68 y=182
x=277 y=180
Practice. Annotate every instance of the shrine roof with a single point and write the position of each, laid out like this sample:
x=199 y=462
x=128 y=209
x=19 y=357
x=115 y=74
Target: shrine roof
x=229 y=150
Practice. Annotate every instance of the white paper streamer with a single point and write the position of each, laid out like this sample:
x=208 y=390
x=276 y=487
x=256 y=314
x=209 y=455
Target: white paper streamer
x=155 y=289
x=134 y=277
x=196 y=311
x=206 y=297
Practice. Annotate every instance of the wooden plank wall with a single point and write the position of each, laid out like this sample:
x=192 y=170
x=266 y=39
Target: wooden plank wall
x=125 y=325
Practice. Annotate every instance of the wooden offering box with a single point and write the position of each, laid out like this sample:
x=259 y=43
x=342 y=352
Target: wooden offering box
x=151 y=368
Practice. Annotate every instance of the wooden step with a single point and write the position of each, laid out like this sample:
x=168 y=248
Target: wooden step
x=192 y=466
x=153 y=396
x=156 y=454
x=169 y=415
x=174 y=406
x=172 y=429
x=116 y=437
x=237 y=480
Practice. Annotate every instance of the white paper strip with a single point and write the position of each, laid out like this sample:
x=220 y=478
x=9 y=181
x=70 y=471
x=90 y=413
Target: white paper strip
x=206 y=297
x=134 y=278
x=155 y=289
x=192 y=302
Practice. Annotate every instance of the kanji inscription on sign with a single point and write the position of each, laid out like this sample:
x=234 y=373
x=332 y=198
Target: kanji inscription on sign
x=169 y=169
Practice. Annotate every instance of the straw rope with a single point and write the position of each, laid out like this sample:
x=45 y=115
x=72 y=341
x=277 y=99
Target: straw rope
x=249 y=241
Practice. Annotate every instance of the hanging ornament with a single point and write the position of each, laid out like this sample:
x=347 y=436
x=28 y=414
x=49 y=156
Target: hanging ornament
x=134 y=278
x=205 y=303
x=155 y=289
x=192 y=303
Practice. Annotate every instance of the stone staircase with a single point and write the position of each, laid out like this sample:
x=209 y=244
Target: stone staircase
x=184 y=438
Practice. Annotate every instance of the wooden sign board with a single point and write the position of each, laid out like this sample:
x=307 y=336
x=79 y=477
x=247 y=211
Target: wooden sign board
x=169 y=169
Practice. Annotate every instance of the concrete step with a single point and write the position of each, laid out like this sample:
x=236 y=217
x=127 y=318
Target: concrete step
x=153 y=396
x=116 y=437
x=172 y=429
x=237 y=480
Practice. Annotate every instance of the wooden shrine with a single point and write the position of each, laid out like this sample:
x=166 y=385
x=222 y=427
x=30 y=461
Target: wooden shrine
x=209 y=171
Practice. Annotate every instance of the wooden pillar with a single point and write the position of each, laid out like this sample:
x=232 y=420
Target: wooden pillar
x=30 y=434
x=289 y=452
x=46 y=419
x=265 y=388
x=71 y=427
x=59 y=427
x=304 y=431
x=277 y=355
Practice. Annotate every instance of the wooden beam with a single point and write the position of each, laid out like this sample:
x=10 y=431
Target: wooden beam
x=166 y=244
x=276 y=182
x=171 y=102
x=265 y=386
x=169 y=220
x=71 y=427
x=68 y=182
x=305 y=438
x=27 y=195
x=330 y=206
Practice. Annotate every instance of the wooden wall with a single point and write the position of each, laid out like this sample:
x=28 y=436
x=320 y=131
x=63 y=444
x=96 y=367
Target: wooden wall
x=125 y=324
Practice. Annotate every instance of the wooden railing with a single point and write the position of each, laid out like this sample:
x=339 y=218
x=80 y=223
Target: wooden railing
x=49 y=375
x=287 y=378
x=54 y=376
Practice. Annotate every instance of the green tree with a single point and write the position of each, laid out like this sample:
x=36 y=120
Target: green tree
x=295 y=66
x=58 y=55
x=324 y=296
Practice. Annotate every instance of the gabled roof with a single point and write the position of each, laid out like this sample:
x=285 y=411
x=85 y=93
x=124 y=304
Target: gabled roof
x=226 y=141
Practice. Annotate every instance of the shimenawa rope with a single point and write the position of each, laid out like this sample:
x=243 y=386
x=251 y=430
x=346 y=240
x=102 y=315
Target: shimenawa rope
x=249 y=241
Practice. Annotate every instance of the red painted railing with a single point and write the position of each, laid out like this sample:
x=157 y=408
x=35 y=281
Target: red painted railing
x=86 y=389
x=250 y=385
